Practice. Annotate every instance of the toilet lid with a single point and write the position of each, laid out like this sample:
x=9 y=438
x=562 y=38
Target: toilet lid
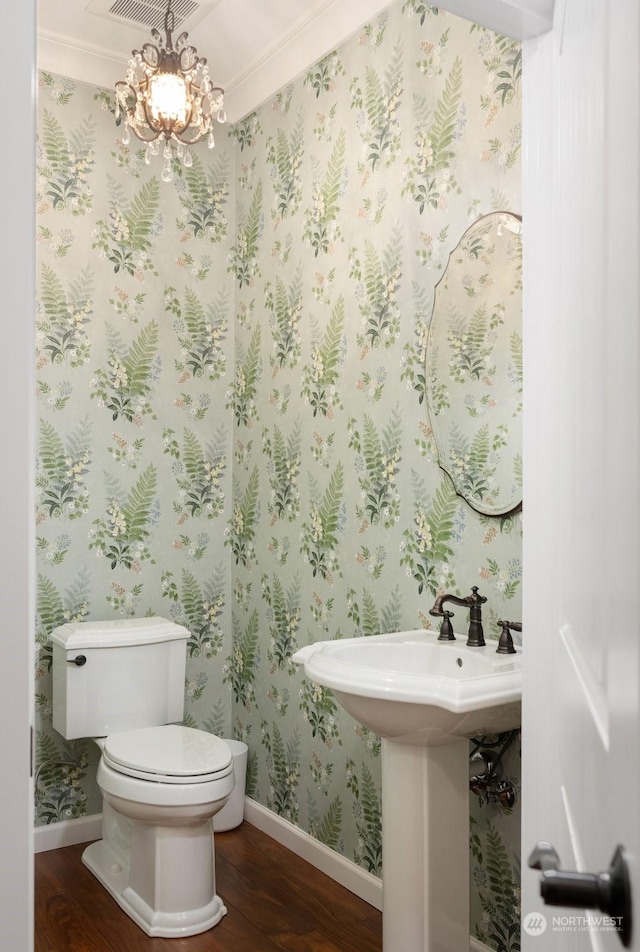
x=168 y=754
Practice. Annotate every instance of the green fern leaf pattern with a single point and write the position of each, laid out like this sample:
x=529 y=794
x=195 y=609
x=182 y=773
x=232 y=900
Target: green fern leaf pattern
x=139 y=360
x=320 y=533
x=124 y=386
x=500 y=900
x=287 y=162
x=125 y=237
x=381 y=104
x=54 y=140
x=193 y=456
x=67 y=164
x=443 y=127
x=66 y=318
x=380 y=455
x=333 y=178
x=284 y=771
x=321 y=375
x=428 y=545
x=201 y=333
x=469 y=463
x=368 y=818
x=379 y=306
x=194 y=316
x=48 y=605
x=391 y=613
x=246 y=380
x=330 y=508
x=121 y=536
x=191 y=598
x=240 y=669
x=244 y=255
x=62 y=470
x=373 y=99
x=58 y=777
x=141 y=214
x=199 y=475
x=52 y=295
x=51 y=453
x=330 y=828
x=243 y=526
x=434 y=141
x=205 y=198
x=517 y=469
x=285 y=305
x=370 y=617
x=321 y=220
x=137 y=508
x=286 y=609
x=203 y=607
x=285 y=456
x=516 y=356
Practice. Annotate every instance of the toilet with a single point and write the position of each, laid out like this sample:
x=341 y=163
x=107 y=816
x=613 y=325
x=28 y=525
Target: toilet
x=122 y=684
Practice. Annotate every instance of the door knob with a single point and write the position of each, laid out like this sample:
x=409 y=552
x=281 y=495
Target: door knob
x=610 y=892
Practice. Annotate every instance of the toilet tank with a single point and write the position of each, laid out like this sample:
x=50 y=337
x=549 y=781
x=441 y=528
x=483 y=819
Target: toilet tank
x=117 y=675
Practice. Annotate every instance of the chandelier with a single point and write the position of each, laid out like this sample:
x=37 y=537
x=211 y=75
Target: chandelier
x=168 y=93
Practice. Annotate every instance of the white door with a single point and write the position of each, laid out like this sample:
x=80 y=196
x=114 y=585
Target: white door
x=16 y=504
x=581 y=743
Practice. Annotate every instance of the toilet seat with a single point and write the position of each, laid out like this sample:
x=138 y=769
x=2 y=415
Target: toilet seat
x=168 y=754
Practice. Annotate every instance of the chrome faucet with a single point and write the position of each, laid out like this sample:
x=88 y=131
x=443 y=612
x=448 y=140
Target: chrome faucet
x=474 y=603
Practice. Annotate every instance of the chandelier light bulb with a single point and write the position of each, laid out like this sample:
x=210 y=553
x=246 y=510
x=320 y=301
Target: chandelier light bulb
x=168 y=98
x=168 y=94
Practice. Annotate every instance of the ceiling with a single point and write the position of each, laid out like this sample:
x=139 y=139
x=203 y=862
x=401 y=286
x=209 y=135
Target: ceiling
x=254 y=47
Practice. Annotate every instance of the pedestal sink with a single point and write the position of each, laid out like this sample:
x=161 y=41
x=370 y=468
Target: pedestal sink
x=424 y=698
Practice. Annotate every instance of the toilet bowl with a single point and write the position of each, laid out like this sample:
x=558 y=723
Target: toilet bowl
x=161 y=787
x=122 y=682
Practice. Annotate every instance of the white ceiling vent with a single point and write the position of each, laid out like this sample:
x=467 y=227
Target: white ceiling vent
x=147 y=14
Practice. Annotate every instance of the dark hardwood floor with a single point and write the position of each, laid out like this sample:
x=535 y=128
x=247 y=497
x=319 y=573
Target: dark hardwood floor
x=276 y=902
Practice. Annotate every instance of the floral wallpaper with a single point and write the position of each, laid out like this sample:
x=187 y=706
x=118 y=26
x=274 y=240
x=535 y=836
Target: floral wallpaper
x=134 y=339
x=233 y=425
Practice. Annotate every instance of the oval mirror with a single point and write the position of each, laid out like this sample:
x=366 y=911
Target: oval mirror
x=474 y=365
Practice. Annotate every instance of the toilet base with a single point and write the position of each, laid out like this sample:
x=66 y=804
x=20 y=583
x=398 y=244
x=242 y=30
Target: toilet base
x=111 y=868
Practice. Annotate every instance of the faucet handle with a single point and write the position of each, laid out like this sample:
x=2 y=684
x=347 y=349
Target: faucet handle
x=446 y=629
x=475 y=598
x=505 y=644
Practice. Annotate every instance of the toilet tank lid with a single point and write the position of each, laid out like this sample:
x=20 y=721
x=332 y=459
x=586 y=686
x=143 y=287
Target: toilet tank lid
x=117 y=633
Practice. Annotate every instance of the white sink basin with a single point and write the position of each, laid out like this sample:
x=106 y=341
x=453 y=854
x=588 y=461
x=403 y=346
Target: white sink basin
x=414 y=689
x=424 y=697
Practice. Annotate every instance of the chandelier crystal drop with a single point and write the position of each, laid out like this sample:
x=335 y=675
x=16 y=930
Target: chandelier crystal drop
x=168 y=92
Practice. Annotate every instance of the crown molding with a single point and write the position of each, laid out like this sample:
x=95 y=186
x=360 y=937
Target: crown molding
x=80 y=61
x=325 y=28
x=327 y=25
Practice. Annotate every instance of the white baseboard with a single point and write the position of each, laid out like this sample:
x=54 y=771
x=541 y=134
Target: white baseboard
x=54 y=836
x=337 y=867
x=475 y=945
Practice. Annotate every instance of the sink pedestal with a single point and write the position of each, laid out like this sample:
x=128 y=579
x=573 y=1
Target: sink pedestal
x=425 y=847
x=423 y=697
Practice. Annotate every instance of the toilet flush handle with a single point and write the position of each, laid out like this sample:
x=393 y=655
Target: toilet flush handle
x=79 y=660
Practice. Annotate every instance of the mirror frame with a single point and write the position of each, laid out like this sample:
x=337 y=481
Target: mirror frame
x=474 y=366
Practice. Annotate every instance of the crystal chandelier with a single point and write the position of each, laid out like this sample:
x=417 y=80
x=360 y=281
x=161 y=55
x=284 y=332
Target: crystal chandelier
x=168 y=92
